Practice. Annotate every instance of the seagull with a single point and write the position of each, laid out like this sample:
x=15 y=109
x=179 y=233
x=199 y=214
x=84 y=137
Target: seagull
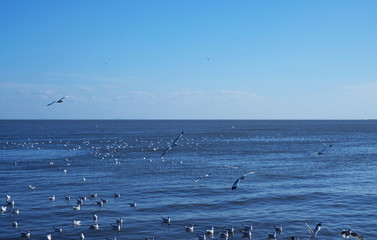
x=345 y=233
x=116 y=227
x=246 y=233
x=68 y=198
x=31 y=187
x=316 y=230
x=322 y=152
x=94 y=226
x=104 y=200
x=8 y=197
x=17 y=211
x=25 y=234
x=57 y=101
x=229 y=230
x=172 y=145
x=48 y=237
x=10 y=203
x=279 y=229
x=82 y=237
x=14 y=223
x=116 y=195
x=248 y=228
x=58 y=229
x=271 y=235
x=356 y=235
x=210 y=231
x=95 y=217
x=119 y=221
x=99 y=203
x=199 y=178
x=76 y=207
x=235 y=184
x=132 y=204
x=52 y=198
x=76 y=223
x=3 y=209
x=166 y=220
x=225 y=234
x=189 y=229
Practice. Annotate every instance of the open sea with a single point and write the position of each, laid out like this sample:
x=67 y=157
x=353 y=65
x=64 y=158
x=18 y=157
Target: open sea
x=293 y=184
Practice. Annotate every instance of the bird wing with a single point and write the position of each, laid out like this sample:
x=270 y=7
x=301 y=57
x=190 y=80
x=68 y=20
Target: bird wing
x=248 y=174
x=356 y=235
x=310 y=230
x=51 y=103
x=175 y=141
x=235 y=184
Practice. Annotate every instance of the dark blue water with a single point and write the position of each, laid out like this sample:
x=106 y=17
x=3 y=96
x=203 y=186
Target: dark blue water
x=292 y=183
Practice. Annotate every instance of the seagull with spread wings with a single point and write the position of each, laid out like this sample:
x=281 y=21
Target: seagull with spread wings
x=57 y=101
x=172 y=145
x=235 y=184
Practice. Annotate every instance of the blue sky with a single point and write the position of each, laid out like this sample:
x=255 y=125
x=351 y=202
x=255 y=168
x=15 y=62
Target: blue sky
x=188 y=59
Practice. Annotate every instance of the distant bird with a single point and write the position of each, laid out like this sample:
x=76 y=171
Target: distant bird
x=119 y=221
x=8 y=197
x=58 y=229
x=17 y=211
x=82 y=237
x=246 y=233
x=189 y=229
x=3 y=209
x=172 y=145
x=116 y=195
x=224 y=234
x=356 y=235
x=76 y=223
x=166 y=220
x=210 y=231
x=316 y=230
x=322 y=152
x=14 y=223
x=31 y=187
x=200 y=178
x=68 y=198
x=247 y=227
x=25 y=234
x=279 y=229
x=116 y=227
x=348 y=233
x=48 y=237
x=271 y=235
x=51 y=198
x=76 y=207
x=95 y=217
x=94 y=226
x=132 y=204
x=241 y=178
x=201 y=237
x=229 y=230
x=10 y=203
x=57 y=101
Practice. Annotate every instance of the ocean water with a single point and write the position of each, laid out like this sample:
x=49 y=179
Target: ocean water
x=292 y=184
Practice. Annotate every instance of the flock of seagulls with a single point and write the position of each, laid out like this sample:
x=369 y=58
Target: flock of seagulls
x=226 y=232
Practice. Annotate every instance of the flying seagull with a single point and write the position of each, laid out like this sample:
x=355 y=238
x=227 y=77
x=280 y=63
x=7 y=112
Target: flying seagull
x=199 y=178
x=172 y=145
x=327 y=147
x=235 y=184
x=57 y=101
x=316 y=230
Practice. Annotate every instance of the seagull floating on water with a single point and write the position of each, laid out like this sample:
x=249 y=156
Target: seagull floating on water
x=166 y=220
x=95 y=217
x=348 y=233
x=189 y=228
x=58 y=229
x=52 y=198
x=210 y=231
x=132 y=204
x=76 y=207
x=316 y=230
x=3 y=209
x=48 y=237
x=94 y=226
x=279 y=229
x=25 y=234
x=201 y=237
x=14 y=223
x=76 y=223
x=116 y=227
x=82 y=237
x=57 y=101
x=246 y=233
x=119 y=221
x=241 y=178
x=116 y=195
x=31 y=187
x=172 y=145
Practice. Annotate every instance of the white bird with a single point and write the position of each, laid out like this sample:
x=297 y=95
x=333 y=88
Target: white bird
x=14 y=223
x=57 y=101
x=210 y=231
x=241 y=178
x=68 y=198
x=279 y=229
x=132 y=204
x=316 y=230
x=76 y=223
x=17 y=211
x=95 y=217
x=189 y=229
x=3 y=209
x=248 y=228
x=246 y=233
x=166 y=220
x=200 y=178
x=271 y=235
x=99 y=203
x=82 y=237
x=48 y=237
x=116 y=195
x=94 y=226
x=225 y=234
x=52 y=198
x=229 y=230
x=25 y=234
x=76 y=207
x=31 y=187
x=172 y=145
x=8 y=197
x=345 y=233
